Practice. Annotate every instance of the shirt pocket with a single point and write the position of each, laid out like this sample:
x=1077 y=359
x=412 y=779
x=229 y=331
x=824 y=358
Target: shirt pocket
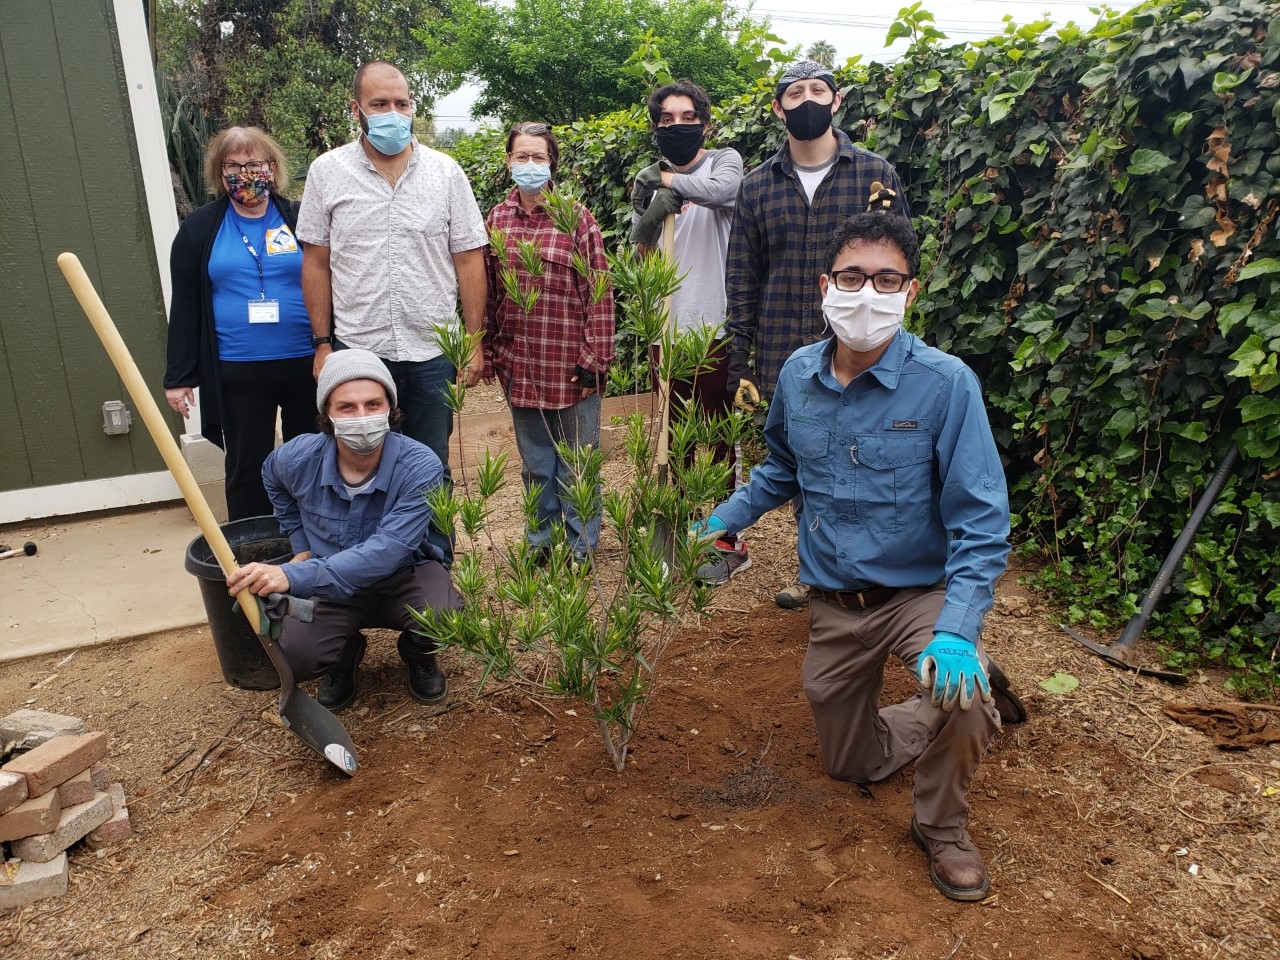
x=894 y=473
x=810 y=441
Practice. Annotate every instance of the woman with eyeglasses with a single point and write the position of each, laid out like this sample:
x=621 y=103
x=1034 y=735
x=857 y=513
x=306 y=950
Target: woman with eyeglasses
x=238 y=327
x=548 y=331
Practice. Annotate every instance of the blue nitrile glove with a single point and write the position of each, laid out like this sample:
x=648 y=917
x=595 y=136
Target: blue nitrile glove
x=712 y=528
x=950 y=667
x=267 y=627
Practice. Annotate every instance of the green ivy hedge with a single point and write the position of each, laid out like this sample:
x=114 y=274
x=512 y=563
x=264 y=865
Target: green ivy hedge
x=1097 y=209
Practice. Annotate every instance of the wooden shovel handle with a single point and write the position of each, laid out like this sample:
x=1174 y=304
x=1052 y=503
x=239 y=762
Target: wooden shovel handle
x=664 y=382
x=147 y=408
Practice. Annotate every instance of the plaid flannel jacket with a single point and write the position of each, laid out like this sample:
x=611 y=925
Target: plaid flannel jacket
x=533 y=356
x=778 y=250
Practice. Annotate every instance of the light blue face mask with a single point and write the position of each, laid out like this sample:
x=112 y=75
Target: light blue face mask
x=389 y=133
x=531 y=177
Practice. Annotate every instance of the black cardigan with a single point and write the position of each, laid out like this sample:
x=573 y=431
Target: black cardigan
x=193 y=339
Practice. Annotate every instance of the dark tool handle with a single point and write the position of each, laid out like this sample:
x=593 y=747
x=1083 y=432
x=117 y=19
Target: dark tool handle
x=1133 y=629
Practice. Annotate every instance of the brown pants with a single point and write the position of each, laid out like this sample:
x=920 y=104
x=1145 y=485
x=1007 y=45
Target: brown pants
x=865 y=743
x=312 y=649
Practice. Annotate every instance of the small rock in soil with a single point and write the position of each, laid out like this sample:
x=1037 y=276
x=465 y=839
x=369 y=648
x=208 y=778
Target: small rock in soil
x=592 y=793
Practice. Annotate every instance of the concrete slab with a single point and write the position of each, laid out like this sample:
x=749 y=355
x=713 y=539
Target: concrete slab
x=97 y=580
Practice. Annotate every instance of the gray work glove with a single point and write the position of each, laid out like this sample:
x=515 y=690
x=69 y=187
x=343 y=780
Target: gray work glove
x=646 y=184
x=647 y=231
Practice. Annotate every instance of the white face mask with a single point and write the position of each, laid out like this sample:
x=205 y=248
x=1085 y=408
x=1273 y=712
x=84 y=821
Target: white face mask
x=362 y=434
x=864 y=320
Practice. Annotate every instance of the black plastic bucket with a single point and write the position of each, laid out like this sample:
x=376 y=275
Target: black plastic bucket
x=255 y=539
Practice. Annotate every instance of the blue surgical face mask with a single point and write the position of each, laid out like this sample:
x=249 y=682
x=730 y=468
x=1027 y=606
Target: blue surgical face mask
x=389 y=133
x=531 y=177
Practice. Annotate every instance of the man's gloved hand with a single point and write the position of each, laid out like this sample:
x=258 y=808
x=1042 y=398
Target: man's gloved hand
x=712 y=528
x=645 y=185
x=950 y=668
x=742 y=387
x=587 y=379
x=647 y=231
x=267 y=626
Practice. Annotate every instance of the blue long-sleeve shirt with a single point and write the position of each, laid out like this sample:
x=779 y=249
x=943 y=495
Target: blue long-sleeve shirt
x=355 y=541
x=902 y=483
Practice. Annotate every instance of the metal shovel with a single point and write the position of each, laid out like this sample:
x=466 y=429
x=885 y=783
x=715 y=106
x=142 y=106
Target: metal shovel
x=312 y=723
x=1122 y=653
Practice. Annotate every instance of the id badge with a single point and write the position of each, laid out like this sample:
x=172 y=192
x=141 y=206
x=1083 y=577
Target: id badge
x=264 y=311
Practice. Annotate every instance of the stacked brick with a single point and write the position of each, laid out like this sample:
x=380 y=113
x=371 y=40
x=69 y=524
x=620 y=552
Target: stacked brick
x=55 y=790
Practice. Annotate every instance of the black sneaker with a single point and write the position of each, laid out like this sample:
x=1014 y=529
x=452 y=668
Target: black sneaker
x=1008 y=705
x=338 y=689
x=427 y=684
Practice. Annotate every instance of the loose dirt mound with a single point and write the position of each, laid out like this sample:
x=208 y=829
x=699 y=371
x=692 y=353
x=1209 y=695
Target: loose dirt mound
x=496 y=828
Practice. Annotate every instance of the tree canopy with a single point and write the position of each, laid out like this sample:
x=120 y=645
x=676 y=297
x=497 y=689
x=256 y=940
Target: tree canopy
x=286 y=65
x=562 y=60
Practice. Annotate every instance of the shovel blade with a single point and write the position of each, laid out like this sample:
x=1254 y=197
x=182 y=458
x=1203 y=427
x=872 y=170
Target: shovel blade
x=1120 y=657
x=319 y=729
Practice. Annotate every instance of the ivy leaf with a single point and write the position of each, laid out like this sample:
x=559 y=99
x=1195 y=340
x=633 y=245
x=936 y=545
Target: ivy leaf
x=1122 y=423
x=1144 y=162
x=1233 y=313
x=1098 y=75
x=1254 y=407
x=1060 y=683
x=1260 y=268
x=1178 y=121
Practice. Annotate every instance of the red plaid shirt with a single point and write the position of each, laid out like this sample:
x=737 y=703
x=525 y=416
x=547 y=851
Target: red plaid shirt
x=534 y=355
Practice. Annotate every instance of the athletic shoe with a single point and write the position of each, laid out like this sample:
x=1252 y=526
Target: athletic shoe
x=726 y=563
x=794 y=597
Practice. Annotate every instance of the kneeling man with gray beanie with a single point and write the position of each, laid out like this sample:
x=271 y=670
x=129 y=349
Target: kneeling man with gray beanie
x=351 y=501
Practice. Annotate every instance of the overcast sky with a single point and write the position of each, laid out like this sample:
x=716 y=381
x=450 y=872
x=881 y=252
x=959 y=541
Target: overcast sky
x=864 y=32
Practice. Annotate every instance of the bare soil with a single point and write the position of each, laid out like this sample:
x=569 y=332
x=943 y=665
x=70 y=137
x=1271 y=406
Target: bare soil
x=495 y=826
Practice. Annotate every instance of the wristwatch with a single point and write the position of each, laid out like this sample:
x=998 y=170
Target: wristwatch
x=316 y=341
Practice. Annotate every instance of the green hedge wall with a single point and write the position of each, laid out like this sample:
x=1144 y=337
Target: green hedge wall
x=1097 y=209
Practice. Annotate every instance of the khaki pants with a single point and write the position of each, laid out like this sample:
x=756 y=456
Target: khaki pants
x=843 y=678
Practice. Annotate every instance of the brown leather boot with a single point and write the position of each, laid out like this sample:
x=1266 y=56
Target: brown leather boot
x=956 y=869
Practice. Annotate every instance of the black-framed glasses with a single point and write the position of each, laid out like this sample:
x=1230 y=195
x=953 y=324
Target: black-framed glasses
x=883 y=281
x=253 y=167
x=530 y=158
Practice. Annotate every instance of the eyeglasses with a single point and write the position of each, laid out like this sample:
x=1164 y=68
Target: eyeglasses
x=885 y=281
x=254 y=167
x=529 y=158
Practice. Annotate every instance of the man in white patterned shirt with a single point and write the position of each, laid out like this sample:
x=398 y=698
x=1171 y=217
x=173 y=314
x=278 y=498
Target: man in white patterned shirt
x=393 y=238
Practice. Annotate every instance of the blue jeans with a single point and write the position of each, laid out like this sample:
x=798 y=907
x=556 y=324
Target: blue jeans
x=420 y=395
x=536 y=439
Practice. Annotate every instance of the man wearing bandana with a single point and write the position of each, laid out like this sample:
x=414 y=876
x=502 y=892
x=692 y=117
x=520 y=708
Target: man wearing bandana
x=393 y=239
x=699 y=186
x=787 y=210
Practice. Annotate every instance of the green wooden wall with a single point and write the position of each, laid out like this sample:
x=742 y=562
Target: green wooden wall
x=69 y=180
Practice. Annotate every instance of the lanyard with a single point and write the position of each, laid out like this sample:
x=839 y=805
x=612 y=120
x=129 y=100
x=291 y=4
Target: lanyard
x=262 y=283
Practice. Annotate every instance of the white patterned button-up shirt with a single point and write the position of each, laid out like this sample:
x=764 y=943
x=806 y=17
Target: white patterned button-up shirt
x=391 y=248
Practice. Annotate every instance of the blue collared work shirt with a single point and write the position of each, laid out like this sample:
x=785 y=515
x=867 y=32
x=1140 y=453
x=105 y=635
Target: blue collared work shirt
x=355 y=541
x=902 y=483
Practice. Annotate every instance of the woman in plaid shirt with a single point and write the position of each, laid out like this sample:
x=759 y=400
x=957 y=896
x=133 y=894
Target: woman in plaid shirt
x=548 y=330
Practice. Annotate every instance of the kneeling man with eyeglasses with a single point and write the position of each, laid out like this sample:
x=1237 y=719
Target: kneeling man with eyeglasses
x=906 y=531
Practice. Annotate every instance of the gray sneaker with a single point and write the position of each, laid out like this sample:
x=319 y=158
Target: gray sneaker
x=794 y=597
x=725 y=562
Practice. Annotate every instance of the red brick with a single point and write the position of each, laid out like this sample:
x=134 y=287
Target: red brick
x=75 y=823
x=116 y=790
x=101 y=775
x=34 y=881
x=58 y=760
x=13 y=790
x=113 y=831
x=37 y=815
x=79 y=789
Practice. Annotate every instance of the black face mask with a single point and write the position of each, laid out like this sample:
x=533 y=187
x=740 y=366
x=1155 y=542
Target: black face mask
x=808 y=121
x=680 y=142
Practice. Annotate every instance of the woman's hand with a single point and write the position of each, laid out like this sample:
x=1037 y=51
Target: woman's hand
x=182 y=399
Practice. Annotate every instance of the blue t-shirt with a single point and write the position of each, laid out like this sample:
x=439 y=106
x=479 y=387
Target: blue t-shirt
x=234 y=275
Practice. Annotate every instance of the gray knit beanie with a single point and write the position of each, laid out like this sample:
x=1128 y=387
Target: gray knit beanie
x=344 y=365
x=805 y=70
